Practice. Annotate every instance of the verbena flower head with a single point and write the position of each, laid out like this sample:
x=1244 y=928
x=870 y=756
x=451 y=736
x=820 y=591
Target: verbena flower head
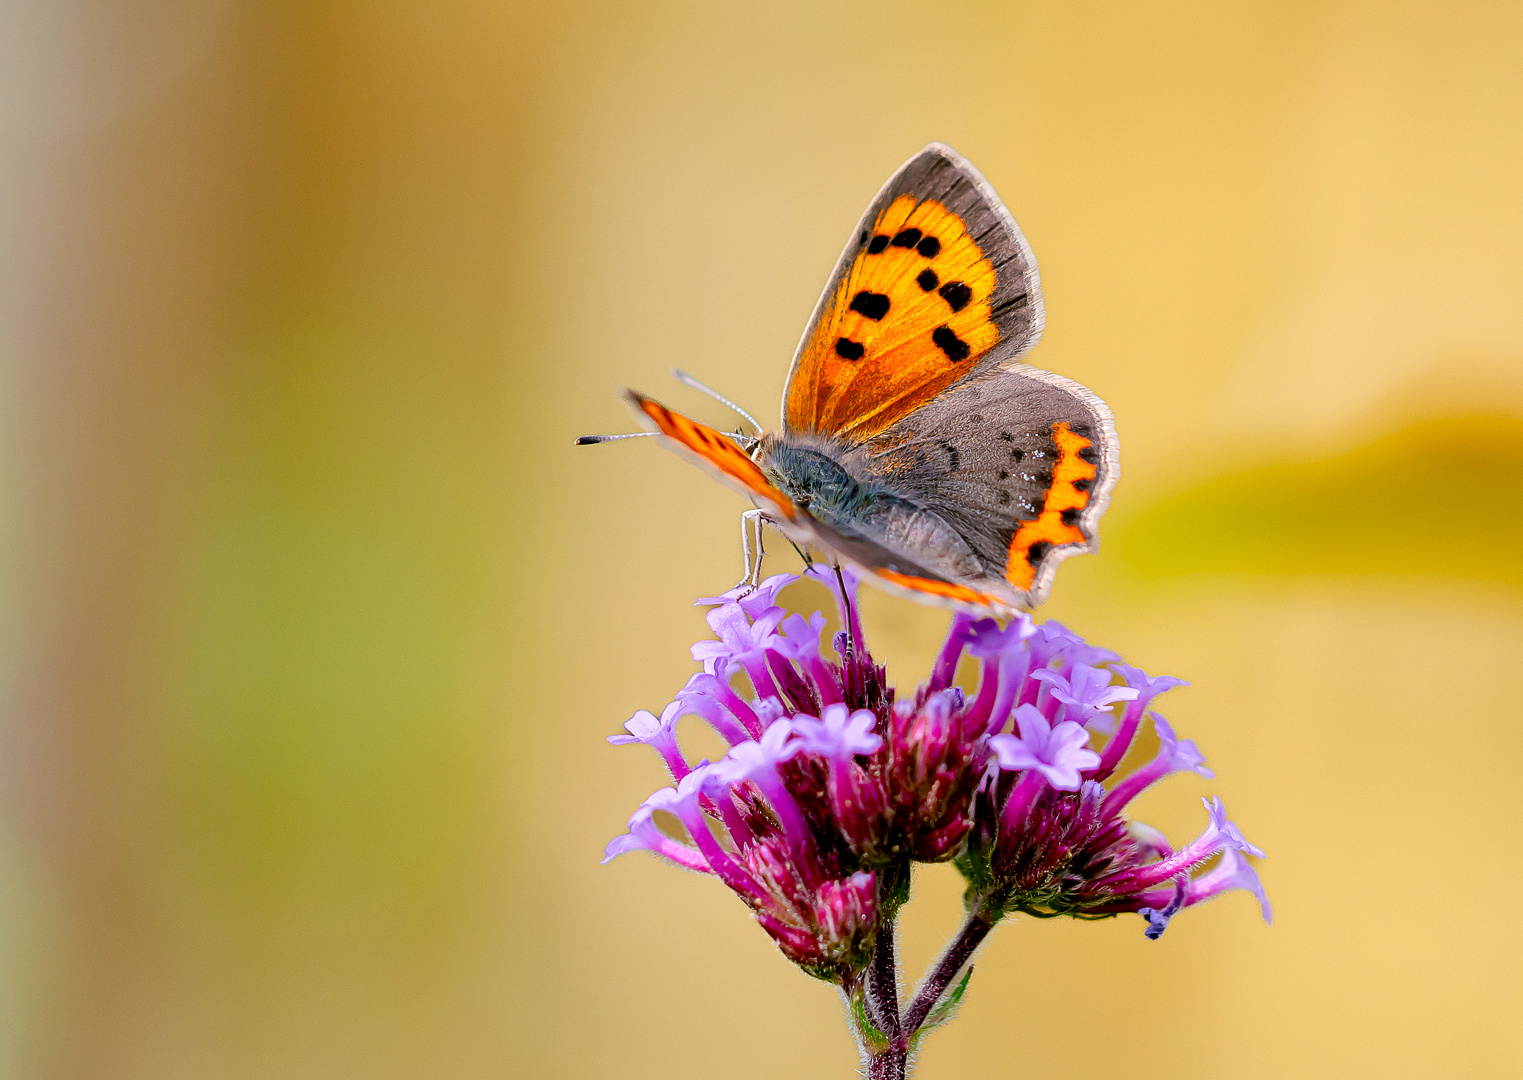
x=833 y=784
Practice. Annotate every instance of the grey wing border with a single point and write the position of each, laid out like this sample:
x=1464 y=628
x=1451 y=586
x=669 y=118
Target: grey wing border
x=1033 y=277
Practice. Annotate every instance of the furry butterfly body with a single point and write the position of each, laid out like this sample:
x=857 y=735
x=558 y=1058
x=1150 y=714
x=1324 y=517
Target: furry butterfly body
x=915 y=443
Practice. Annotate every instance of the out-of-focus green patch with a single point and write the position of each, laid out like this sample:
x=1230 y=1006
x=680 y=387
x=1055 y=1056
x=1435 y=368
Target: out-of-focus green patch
x=1439 y=498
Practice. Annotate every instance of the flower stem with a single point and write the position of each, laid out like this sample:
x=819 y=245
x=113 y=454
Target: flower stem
x=959 y=951
x=889 y=1065
x=883 y=982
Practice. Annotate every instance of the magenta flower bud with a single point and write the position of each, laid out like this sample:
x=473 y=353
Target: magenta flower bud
x=845 y=912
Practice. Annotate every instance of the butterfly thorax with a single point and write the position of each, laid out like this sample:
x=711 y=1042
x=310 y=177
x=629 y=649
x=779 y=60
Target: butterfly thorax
x=819 y=484
x=820 y=480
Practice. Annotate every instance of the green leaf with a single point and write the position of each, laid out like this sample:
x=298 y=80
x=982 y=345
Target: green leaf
x=866 y=1029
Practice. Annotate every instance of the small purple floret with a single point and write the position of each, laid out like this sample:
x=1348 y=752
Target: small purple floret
x=838 y=733
x=752 y=600
x=1058 y=753
x=1087 y=693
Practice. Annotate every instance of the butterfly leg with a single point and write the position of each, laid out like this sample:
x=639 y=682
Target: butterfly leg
x=851 y=616
x=751 y=521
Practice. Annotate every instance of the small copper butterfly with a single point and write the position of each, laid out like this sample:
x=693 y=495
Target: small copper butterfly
x=915 y=444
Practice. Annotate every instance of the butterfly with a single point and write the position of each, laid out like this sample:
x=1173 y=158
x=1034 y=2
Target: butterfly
x=915 y=444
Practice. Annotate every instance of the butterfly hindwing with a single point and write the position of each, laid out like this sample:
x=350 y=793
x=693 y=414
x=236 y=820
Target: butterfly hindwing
x=973 y=499
x=937 y=283
x=1018 y=462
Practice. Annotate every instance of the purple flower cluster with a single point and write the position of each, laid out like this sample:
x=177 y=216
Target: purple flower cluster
x=831 y=787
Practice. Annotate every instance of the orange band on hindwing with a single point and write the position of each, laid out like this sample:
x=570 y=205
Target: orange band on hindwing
x=716 y=449
x=1064 y=497
x=937 y=588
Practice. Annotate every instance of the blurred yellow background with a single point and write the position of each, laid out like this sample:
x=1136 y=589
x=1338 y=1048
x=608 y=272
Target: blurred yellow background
x=315 y=621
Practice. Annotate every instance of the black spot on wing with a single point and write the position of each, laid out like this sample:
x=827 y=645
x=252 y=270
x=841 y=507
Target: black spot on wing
x=1084 y=484
x=929 y=248
x=927 y=280
x=953 y=460
x=948 y=342
x=1037 y=551
x=1071 y=515
x=956 y=294
x=907 y=238
x=879 y=243
x=871 y=304
x=847 y=349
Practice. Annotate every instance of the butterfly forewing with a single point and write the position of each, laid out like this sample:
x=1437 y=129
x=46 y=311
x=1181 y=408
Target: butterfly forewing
x=937 y=283
x=712 y=450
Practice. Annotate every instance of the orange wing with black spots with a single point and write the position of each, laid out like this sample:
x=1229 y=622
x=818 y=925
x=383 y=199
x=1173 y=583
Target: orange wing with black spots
x=936 y=284
x=712 y=449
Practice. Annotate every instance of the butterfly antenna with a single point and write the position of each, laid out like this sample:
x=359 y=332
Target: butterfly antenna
x=687 y=380
x=590 y=440
x=746 y=441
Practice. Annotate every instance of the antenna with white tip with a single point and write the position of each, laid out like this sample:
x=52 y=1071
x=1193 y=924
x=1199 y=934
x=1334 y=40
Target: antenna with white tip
x=593 y=440
x=745 y=442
